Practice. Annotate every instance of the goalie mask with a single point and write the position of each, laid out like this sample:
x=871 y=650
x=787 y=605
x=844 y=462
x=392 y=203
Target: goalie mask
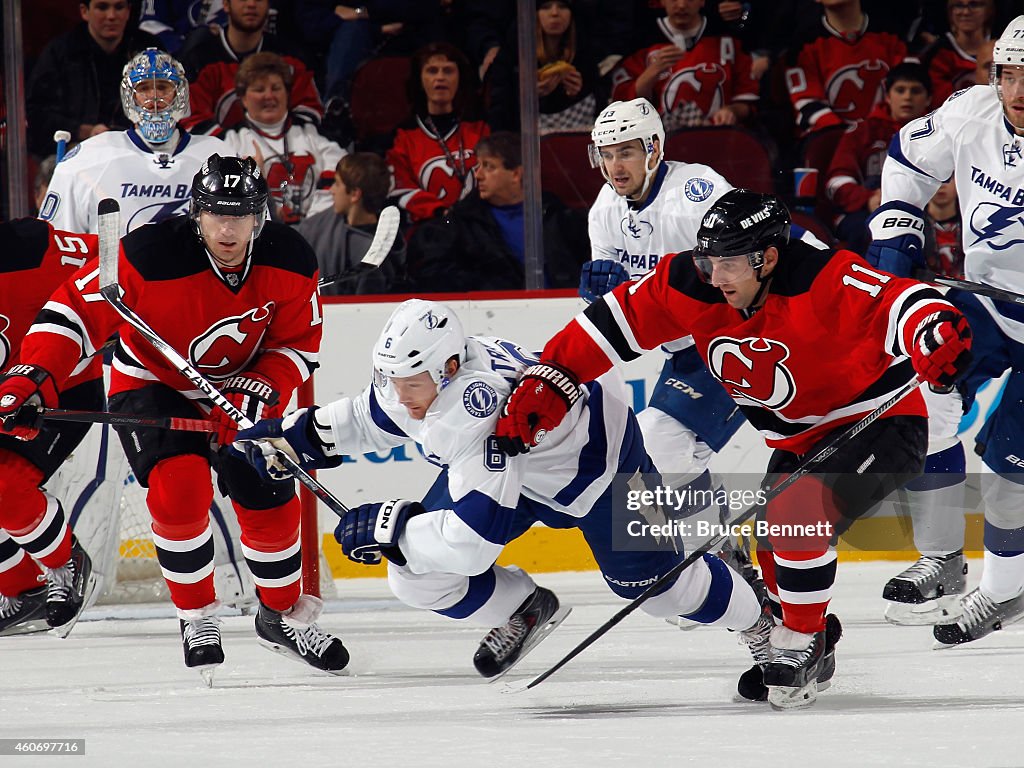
x=1008 y=50
x=154 y=94
x=419 y=336
x=737 y=230
x=623 y=121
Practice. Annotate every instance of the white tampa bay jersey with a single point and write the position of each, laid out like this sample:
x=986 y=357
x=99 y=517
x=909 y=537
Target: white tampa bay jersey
x=569 y=471
x=150 y=186
x=666 y=223
x=969 y=138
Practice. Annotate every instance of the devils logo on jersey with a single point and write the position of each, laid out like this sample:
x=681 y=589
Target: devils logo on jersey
x=292 y=181
x=228 y=346
x=854 y=90
x=437 y=174
x=702 y=85
x=5 y=344
x=752 y=369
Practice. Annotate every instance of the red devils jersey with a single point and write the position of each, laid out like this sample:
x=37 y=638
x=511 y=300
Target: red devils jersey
x=211 y=90
x=856 y=167
x=432 y=173
x=827 y=347
x=834 y=77
x=265 y=319
x=713 y=74
x=950 y=68
x=37 y=260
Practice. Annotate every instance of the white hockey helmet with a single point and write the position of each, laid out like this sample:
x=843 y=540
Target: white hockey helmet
x=155 y=123
x=625 y=121
x=1008 y=50
x=419 y=336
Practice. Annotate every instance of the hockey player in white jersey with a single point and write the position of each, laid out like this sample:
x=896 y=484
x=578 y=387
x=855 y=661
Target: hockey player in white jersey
x=649 y=208
x=977 y=137
x=443 y=390
x=148 y=169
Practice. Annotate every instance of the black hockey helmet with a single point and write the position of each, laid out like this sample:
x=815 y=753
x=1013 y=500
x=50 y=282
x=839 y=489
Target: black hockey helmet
x=740 y=223
x=229 y=186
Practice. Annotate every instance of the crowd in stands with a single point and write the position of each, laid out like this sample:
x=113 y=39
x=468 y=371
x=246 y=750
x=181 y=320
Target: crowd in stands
x=822 y=84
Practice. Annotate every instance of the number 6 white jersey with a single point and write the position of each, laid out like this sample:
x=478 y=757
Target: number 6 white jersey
x=568 y=472
x=969 y=138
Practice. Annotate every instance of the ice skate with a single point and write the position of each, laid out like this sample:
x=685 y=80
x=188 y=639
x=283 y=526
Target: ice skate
x=68 y=589
x=928 y=592
x=980 y=616
x=802 y=664
x=751 y=685
x=302 y=642
x=23 y=614
x=504 y=647
x=200 y=639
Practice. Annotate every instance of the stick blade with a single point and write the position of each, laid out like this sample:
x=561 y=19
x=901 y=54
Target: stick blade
x=383 y=238
x=109 y=214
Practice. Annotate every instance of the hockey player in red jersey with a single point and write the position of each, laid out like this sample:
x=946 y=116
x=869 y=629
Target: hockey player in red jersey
x=34 y=527
x=806 y=342
x=238 y=296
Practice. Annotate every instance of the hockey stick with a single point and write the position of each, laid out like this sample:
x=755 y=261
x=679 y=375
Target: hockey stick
x=61 y=138
x=109 y=237
x=380 y=247
x=29 y=415
x=669 y=576
x=981 y=289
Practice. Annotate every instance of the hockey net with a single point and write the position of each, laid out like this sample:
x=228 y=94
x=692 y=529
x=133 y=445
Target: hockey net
x=108 y=511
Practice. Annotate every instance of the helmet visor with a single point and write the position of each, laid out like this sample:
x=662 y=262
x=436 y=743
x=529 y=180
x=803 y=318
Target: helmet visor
x=726 y=269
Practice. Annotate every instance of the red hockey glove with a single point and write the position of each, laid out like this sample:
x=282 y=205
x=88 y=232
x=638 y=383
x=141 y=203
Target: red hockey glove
x=250 y=393
x=25 y=385
x=942 y=348
x=539 y=402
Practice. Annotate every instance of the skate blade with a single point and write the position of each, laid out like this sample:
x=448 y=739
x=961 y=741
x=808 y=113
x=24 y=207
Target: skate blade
x=65 y=629
x=26 y=628
x=289 y=654
x=942 y=610
x=823 y=685
x=556 y=618
x=782 y=698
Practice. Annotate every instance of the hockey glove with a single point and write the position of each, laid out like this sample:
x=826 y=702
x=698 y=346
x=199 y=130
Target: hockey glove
x=600 y=276
x=897 y=238
x=250 y=393
x=541 y=399
x=30 y=386
x=942 y=348
x=370 y=531
x=309 y=443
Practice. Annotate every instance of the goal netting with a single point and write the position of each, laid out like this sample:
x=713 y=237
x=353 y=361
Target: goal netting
x=107 y=508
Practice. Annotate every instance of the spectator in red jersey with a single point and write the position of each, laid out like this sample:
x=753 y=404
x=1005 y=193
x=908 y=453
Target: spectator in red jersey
x=952 y=58
x=855 y=174
x=694 y=77
x=212 y=56
x=567 y=78
x=836 y=73
x=75 y=85
x=943 y=248
x=432 y=157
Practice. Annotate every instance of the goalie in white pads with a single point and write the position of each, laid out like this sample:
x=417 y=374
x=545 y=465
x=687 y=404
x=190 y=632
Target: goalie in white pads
x=443 y=390
x=977 y=137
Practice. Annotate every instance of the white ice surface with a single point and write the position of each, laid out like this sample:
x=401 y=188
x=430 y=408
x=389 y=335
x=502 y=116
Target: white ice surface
x=646 y=694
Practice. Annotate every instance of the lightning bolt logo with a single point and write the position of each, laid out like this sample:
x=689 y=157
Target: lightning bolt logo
x=1001 y=227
